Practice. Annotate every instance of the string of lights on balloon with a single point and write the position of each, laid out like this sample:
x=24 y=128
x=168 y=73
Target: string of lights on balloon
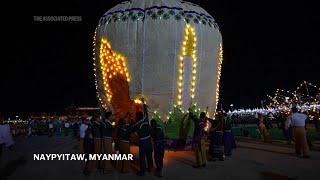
x=188 y=50
x=103 y=104
x=219 y=74
x=111 y=64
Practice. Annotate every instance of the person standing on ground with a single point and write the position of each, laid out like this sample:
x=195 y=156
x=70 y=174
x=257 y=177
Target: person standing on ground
x=106 y=141
x=75 y=128
x=30 y=126
x=298 y=123
x=82 y=132
x=124 y=131
x=58 y=127
x=198 y=139
x=229 y=142
x=263 y=130
x=66 y=127
x=96 y=134
x=88 y=143
x=288 y=129
x=216 y=148
x=142 y=127
x=6 y=139
x=159 y=145
x=51 y=128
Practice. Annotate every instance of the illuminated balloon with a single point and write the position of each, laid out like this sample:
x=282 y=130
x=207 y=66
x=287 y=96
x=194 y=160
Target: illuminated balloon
x=167 y=51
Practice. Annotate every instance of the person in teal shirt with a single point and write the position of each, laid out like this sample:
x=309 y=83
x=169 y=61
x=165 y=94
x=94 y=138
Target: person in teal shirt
x=142 y=128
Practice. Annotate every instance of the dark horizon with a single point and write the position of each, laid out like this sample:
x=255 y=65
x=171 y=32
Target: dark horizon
x=48 y=65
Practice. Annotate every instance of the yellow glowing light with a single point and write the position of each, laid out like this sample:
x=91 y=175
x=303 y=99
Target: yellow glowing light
x=188 y=49
x=137 y=101
x=112 y=64
x=219 y=74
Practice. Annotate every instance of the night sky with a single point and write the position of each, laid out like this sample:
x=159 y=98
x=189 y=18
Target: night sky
x=47 y=66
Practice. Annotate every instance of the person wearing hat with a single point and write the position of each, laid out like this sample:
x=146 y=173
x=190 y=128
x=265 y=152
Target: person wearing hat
x=157 y=135
x=298 y=121
x=198 y=139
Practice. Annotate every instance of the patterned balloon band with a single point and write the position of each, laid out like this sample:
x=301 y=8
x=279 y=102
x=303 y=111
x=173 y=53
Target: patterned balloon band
x=158 y=12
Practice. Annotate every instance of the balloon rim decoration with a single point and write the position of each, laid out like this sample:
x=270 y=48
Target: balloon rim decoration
x=177 y=13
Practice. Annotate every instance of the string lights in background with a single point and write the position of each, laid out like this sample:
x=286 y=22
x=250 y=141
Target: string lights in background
x=219 y=74
x=188 y=50
x=283 y=98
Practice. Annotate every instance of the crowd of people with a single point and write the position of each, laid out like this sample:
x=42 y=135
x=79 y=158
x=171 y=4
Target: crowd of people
x=276 y=120
x=273 y=119
x=98 y=133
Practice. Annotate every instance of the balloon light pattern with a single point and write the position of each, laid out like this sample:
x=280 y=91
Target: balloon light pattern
x=115 y=78
x=112 y=65
x=188 y=49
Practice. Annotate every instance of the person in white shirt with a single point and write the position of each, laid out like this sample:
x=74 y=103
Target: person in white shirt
x=298 y=121
x=83 y=128
x=5 y=135
x=66 y=127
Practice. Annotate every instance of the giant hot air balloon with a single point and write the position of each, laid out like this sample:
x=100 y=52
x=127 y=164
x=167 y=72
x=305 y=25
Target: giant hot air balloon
x=167 y=51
